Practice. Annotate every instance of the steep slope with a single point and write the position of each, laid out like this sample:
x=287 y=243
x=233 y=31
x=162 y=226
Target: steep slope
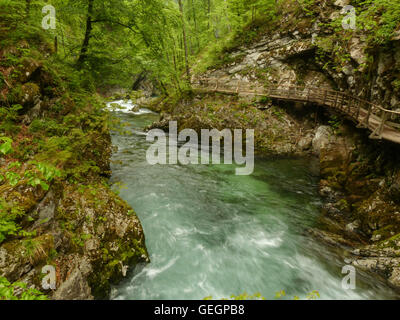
x=56 y=206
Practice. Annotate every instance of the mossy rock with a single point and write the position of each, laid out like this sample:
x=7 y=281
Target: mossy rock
x=393 y=242
x=26 y=68
x=24 y=95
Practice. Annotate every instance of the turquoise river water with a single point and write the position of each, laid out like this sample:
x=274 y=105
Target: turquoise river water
x=212 y=233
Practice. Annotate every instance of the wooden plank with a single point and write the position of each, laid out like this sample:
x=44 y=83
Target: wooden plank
x=349 y=105
x=325 y=96
x=393 y=124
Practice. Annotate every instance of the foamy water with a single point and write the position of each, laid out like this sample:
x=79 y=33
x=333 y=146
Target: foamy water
x=212 y=233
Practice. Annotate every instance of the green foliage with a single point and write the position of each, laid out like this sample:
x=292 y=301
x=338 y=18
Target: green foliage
x=380 y=18
x=265 y=100
x=128 y=38
x=335 y=123
x=13 y=178
x=396 y=84
x=7 y=228
x=8 y=118
x=79 y=240
x=313 y=295
x=307 y=6
x=240 y=22
x=8 y=291
x=6 y=146
x=8 y=216
x=279 y=295
x=41 y=175
x=49 y=126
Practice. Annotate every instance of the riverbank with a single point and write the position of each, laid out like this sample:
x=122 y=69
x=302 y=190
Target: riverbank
x=57 y=208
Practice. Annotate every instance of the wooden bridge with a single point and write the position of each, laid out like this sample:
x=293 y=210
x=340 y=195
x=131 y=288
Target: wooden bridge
x=383 y=123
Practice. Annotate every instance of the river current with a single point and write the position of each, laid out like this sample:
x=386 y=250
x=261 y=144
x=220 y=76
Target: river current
x=212 y=233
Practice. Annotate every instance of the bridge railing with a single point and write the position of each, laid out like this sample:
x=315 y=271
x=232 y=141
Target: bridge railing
x=367 y=114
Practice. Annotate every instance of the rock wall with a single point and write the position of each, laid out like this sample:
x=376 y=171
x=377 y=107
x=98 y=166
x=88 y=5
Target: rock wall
x=360 y=184
x=304 y=50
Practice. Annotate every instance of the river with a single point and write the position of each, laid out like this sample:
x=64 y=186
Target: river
x=212 y=233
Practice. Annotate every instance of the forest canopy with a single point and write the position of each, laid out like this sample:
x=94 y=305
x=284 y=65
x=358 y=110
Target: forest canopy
x=160 y=38
x=114 y=42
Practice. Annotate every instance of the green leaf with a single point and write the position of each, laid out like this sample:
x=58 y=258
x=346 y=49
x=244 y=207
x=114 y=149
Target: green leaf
x=6 y=147
x=13 y=178
x=44 y=186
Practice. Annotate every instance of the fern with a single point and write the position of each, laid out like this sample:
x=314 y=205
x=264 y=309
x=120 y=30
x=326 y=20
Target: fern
x=8 y=291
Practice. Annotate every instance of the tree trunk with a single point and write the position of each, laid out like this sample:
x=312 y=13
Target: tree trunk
x=184 y=41
x=138 y=80
x=195 y=26
x=162 y=86
x=85 y=44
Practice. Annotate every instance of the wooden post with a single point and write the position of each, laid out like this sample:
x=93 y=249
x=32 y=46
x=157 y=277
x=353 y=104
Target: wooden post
x=336 y=100
x=368 y=115
x=238 y=86
x=342 y=101
x=358 y=109
x=325 y=95
x=216 y=86
x=384 y=117
x=350 y=101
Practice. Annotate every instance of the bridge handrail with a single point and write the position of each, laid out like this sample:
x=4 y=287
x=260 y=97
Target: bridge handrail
x=323 y=90
x=365 y=113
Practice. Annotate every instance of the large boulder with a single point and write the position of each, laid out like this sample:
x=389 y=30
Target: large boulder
x=26 y=69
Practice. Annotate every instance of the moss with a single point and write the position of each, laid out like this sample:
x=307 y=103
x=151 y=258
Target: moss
x=92 y=212
x=343 y=205
x=393 y=242
x=108 y=269
x=386 y=232
x=326 y=43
